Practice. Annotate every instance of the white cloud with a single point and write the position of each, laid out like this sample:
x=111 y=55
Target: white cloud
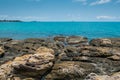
x=84 y=2
x=98 y=2
x=106 y=17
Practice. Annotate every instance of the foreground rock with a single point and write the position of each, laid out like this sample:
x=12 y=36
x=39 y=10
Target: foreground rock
x=70 y=71
x=28 y=66
x=94 y=76
x=60 y=58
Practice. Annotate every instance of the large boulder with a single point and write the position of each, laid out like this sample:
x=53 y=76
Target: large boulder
x=60 y=38
x=106 y=42
x=69 y=70
x=99 y=51
x=30 y=65
x=77 y=40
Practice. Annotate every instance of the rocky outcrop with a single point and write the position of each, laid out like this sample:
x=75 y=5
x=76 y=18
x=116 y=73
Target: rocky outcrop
x=70 y=70
x=60 y=58
x=30 y=65
x=106 y=42
x=77 y=40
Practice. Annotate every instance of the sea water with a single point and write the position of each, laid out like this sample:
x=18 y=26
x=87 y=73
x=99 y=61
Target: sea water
x=22 y=30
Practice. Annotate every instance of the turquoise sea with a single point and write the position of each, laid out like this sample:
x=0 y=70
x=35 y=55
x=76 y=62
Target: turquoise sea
x=22 y=30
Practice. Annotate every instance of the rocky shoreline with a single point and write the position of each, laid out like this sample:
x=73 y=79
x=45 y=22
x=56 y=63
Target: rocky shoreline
x=60 y=58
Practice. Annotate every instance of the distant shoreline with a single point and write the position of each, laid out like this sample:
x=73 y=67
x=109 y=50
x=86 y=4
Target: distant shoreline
x=57 y=21
x=10 y=21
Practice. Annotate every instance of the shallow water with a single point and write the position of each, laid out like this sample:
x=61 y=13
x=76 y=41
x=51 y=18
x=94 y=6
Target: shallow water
x=22 y=30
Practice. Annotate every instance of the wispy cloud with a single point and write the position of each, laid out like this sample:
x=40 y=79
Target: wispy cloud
x=84 y=2
x=106 y=17
x=98 y=2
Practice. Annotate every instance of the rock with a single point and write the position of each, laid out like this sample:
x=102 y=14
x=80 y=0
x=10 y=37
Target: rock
x=34 y=40
x=115 y=42
x=98 y=51
x=82 y=58
x=106 y=42
x=5 y=39
x=94 y=76
x=29 y=65
x=2 y=52
x=115 y=76
x=104 y=65
x=77 y=40
x=69 y=70
x=101 y=42
x=64 y=58
x=114 y=57
x=70 y=49
x=60 y=38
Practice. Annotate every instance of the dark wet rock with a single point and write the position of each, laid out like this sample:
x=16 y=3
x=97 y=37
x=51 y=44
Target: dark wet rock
x=77 y=40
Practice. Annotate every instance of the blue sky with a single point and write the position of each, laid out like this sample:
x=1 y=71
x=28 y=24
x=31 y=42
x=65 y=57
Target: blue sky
x=60 y=10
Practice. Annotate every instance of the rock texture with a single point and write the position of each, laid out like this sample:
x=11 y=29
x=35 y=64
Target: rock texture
x=30 y=65
x=60 y=58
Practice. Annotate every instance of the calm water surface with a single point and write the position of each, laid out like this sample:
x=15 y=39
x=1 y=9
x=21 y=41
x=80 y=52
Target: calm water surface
x=22 y=30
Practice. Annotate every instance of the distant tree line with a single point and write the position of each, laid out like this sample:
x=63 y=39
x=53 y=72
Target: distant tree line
x=10 y=21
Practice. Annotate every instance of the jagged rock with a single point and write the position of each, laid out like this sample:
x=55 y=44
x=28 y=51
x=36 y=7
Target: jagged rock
x=77 y=40
x=30 y=65
x=69 y=70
